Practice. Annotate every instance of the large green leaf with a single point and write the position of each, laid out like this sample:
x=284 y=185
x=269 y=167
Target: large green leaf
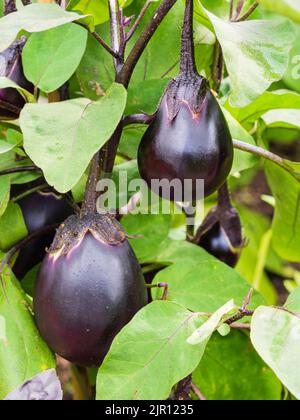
x=286 y=224
x=62 y=138
x=275 y=334
x=292 y=76
x=197 y=280
x=282 y=99
x=23 y=353
x=51 y=57
x=285 y=118
x=293 y=302
x=151 y=354
x=232 y=370
x=289 y=8
x=33 y=18
x=256 y=54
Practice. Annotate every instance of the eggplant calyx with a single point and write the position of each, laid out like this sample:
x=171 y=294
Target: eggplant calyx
x=104 y=228
x=11 y=55
x=229 y=222
x=189 y=88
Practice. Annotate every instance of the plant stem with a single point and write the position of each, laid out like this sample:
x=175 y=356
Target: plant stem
x=137 y=119
x=218 y=67
x=248 y=13
x=238 y=9
x=125 y=74
x=90 y=199
x=104 y=45
x=224 y=201
x=187 y=58
x=19 y=170
x=114 y=30
x=9 y=7
x=138 y=20
x=29 y=192
x=231 y=9
x=259 y=151
x=197 y=392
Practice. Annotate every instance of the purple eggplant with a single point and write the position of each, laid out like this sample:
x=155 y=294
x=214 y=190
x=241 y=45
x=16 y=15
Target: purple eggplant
x=188 y=138
x=39 y=211
x=90 y=285
x=217 y=243
x=11 y=101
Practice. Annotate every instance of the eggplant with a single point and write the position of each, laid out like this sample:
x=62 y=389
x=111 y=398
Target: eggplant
x=39 y=211
x=11 y=101
x=188 y=138
x=90 y=285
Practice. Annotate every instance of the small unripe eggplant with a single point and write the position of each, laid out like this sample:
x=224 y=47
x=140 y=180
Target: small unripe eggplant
x=11 y=101
x=90 y=285
x=221 y=233
x=39 y=210
x=188 y=138
x=217 y=243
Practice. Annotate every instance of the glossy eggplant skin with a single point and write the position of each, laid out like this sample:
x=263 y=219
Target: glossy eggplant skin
x=39 y=210
x=84 y=298
x=217 y=244
x=190 y=146
x=11 y=101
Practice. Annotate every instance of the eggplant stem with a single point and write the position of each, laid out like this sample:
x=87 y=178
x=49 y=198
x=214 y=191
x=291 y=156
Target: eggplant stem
x=19 y=169
x=90 y=199
x=9 y=7
x=248 y=13
x=138 y=119
x=187 y=59
x=104 y=45
x=138 y=20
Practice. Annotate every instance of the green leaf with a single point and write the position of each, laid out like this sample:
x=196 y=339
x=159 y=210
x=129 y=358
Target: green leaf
x=97 y=8
x=293 y=302
x=51 y=57
x=256 y=54
x=4 y=193
x=153 y=229
x=242 y=161
x=286 y=223
x=255 y=225
x=275 y=334
x=292 y=76
x=62 y=138
x=7 y=83
x=150 y=355
x=23 y=353
x=33 y=18
x=13 y=139
x=289 y=8
x=282 y=99
x=206 y=330
x=12 y=226
x=284 y=118
x=231 y=370
x=145 y=96
x=197 y=280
